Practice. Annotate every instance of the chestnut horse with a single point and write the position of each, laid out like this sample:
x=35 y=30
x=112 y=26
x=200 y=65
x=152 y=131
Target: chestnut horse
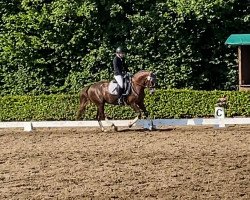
x=98 y=94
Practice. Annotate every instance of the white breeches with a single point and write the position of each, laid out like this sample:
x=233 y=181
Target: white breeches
x=119 y=80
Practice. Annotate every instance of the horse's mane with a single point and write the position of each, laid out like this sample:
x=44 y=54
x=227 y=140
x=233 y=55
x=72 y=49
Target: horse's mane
x=141 y=71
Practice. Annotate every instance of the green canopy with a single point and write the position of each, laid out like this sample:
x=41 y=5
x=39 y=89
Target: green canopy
x=238 y=39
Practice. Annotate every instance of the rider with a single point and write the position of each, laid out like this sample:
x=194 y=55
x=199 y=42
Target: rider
x=120 y=69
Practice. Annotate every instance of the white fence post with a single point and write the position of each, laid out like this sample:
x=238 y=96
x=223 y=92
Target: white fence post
x=220 y=115
x=28 y=126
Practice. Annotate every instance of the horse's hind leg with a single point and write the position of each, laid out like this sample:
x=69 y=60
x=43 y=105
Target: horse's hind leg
x=83 y=103
x=111 y=124
x=100 y=115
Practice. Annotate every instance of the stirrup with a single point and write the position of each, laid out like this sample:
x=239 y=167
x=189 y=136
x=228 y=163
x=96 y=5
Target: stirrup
x=120 y=101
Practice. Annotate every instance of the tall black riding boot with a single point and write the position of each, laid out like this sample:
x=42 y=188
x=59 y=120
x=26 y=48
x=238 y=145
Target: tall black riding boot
x=120 y=96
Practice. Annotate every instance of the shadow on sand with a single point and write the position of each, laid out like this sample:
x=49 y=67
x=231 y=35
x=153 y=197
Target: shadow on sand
x=144 y=130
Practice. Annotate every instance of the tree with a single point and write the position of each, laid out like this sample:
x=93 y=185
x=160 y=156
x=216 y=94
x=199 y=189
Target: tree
x=54 y=46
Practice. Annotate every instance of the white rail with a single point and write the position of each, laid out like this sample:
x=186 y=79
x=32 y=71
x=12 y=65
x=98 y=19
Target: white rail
x=217 y=122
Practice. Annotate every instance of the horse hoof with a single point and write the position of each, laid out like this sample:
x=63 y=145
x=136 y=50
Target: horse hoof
x=115 y=128
x=152 y=128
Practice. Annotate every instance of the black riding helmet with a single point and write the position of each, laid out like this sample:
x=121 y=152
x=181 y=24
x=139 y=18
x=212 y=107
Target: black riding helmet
x=119 y=50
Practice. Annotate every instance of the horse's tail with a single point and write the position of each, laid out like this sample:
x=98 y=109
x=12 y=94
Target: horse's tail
x=84 y=93
x=84 y=100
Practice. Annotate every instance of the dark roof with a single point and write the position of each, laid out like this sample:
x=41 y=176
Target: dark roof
x=238 y=39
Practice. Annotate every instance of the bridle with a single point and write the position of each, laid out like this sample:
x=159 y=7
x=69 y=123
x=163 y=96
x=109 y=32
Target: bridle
x=149 y=79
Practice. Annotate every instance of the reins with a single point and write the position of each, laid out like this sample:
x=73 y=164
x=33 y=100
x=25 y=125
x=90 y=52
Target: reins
x=139 y=84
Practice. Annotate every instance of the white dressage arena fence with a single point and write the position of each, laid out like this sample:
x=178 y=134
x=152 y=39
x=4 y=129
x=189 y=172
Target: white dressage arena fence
x=216 y=122
x=219 y=121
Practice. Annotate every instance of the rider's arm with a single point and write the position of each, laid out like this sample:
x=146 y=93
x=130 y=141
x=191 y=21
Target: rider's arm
x=125 y=66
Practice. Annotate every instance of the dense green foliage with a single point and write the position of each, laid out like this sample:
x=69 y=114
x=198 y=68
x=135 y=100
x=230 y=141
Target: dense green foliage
x=57 y=46
x=170 y=104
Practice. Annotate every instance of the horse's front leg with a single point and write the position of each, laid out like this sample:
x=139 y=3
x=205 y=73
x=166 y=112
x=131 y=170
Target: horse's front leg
x=143 y=108
x=137 y=109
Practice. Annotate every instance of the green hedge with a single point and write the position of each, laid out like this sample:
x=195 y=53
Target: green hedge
x=164 y=104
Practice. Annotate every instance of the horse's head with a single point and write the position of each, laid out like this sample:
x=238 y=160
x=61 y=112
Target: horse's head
x=146 y=79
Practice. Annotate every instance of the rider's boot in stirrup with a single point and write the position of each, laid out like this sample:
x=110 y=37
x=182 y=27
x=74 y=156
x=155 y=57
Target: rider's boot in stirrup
x=120 y=96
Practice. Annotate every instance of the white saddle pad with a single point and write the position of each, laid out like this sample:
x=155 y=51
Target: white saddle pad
x=113 y=88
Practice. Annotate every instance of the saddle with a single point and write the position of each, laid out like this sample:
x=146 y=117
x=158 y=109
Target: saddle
x=113 y=86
